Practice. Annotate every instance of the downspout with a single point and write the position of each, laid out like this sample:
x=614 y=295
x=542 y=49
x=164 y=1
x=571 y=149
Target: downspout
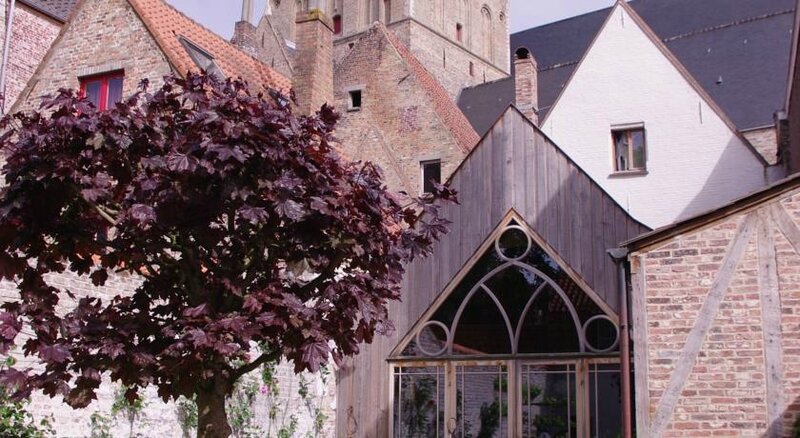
x=6 y=48
x=620 y=256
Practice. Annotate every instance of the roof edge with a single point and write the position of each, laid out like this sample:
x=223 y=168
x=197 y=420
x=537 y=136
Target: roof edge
x=744 y=203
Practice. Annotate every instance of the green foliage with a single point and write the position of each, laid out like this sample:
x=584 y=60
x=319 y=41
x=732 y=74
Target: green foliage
x=100 y=426
x=187 y=414
x=15 y=420
x=127 y=404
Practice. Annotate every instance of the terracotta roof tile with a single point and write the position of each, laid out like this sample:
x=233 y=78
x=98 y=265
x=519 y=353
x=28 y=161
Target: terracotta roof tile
x=167 y=24
x=451 y=115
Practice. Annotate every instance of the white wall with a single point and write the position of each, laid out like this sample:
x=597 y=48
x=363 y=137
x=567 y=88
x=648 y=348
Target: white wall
x=694 y=163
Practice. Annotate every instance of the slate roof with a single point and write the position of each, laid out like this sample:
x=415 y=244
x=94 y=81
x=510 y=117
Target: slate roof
x=451 y=116
x=167 y=25
x=56 y=9
x=746 y=43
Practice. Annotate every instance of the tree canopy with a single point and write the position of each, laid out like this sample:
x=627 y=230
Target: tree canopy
x=240 y=220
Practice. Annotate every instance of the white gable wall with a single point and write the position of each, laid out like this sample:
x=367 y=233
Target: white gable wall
x=695 y=162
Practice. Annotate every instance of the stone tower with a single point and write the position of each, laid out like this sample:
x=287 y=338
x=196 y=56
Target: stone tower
x=461 y=42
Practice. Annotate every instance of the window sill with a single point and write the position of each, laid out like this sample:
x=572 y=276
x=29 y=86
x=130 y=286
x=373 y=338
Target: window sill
x=628 y=173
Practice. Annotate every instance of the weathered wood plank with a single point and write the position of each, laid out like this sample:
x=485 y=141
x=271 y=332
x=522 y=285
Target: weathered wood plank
x=787 y=225
x=771 y=320
x=640 y=352
x=686 y=361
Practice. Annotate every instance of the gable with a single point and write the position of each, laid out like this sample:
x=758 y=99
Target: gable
x=87 y=45
x=405 y=116
x=515 y=167
x=696 y=159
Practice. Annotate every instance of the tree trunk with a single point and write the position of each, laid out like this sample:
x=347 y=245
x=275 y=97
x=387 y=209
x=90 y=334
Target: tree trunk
x=212 y=419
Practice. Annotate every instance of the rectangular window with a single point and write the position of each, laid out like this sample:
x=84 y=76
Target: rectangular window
x=431 y=174
x=629 y=149
x=337 y=24
x=459 y=33
x=103 y=90
x=355 y=100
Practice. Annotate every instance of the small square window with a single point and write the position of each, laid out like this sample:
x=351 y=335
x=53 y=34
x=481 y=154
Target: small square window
x=103 y=90
x=431 y=174
x=355 y=100
x=630 y=149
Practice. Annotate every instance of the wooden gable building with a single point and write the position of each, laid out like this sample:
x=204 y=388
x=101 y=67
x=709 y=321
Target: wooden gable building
x=511 y=326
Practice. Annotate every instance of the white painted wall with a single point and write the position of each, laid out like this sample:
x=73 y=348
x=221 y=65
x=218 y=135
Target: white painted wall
x=694 y=163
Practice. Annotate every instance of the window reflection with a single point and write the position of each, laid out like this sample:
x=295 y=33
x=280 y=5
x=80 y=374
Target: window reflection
x=419 y=402
x=548 y=401
x=481 y=402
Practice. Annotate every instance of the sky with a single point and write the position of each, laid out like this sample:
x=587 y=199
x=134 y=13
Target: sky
x=219 y=15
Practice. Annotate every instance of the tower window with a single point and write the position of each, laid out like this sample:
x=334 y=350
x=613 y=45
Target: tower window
x=471 y=68
x=337 y=24
x=459 y=33
x=431 y=174
x=355 y=100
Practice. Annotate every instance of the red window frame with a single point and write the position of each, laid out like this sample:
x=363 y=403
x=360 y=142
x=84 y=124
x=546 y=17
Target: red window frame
x=104 y=80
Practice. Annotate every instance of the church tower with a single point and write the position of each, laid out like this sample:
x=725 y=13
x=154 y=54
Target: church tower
x=461 y=42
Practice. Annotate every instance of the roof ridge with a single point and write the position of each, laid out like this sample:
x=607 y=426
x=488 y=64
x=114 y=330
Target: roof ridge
x=729 y=24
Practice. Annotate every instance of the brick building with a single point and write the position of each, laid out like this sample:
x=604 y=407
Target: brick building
x=518 y=324
x=33 y=27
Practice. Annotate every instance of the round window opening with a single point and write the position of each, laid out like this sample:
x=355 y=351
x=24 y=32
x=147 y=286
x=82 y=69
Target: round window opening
x=601 y=334
x=432 y=339
x=513 y=244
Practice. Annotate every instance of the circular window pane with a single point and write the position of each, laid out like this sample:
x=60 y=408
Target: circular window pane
x=514 y=243
x=601 y=334
x=432 y=339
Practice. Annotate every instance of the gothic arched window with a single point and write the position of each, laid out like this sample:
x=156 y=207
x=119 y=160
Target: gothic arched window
x=487 y=36
x=516 y=343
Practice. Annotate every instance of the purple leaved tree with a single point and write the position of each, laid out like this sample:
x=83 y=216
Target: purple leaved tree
x=243 y=222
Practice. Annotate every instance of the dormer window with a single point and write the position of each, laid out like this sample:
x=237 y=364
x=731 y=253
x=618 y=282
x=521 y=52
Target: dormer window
x=103 y=90
x=203 y=59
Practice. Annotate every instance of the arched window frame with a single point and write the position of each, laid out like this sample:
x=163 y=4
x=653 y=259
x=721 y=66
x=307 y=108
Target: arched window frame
x=451 y=375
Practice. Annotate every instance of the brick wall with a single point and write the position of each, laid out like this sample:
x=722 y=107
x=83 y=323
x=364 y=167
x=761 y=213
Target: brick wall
x=103 y=37
x=766 y=142
x=397 y=125
x=726 y=391
x=33 y=33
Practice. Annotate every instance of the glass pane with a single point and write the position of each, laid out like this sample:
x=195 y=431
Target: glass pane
x=548 y=401
x=514 y=287
x=601 y=334
x=481 y=402
x=621 y=150
x=92 y=91
x=548 y=326
x=419 y=402
x=114 y=91
x=637 y=138
x=431 y=342
x=605 y=401
x=481 y=329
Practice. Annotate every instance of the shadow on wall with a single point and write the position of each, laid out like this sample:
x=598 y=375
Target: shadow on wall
x=788 y=424
x=726 y=181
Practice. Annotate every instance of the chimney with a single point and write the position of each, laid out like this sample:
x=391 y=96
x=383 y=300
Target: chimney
x=244 y=32
x=313 y=68
x=526 y=84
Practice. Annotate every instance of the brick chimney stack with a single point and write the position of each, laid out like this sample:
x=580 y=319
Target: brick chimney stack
x=313 y=69
x=244 y=32
x=526 y=82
